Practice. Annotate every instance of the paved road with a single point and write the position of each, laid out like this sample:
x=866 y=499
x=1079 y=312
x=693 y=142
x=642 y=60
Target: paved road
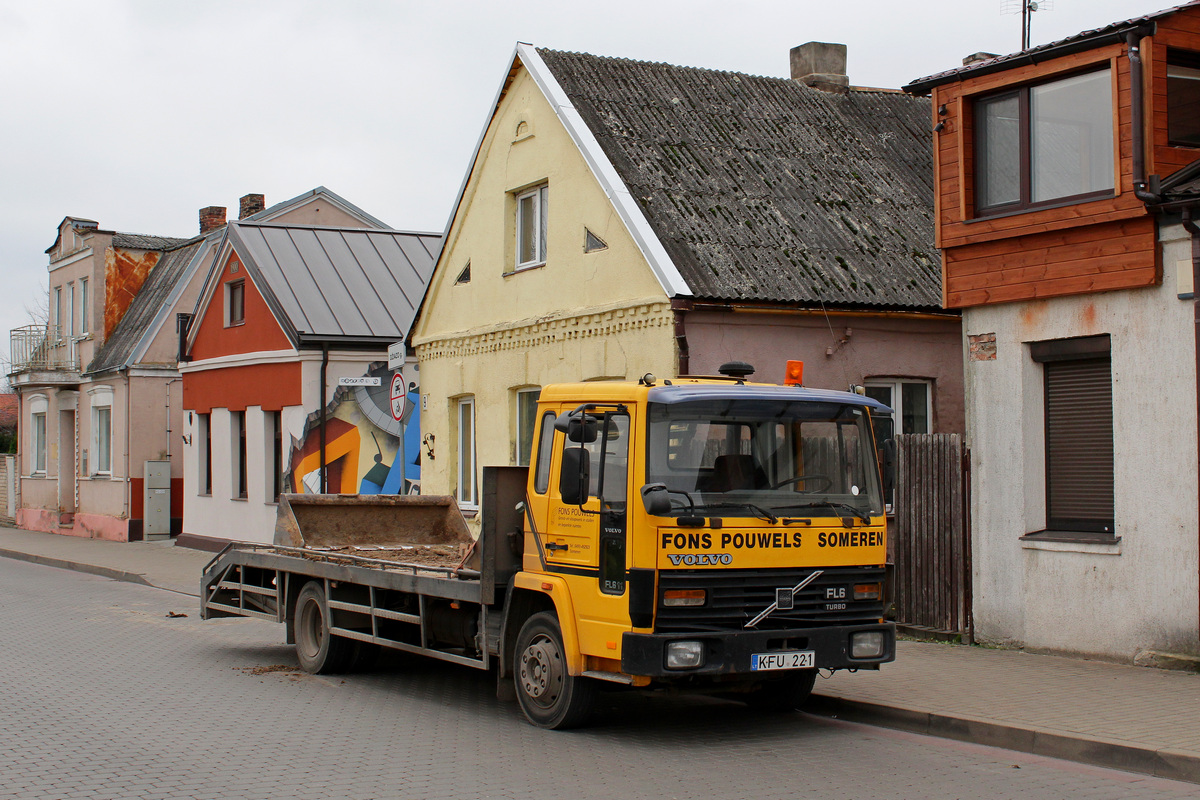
x=104 y=695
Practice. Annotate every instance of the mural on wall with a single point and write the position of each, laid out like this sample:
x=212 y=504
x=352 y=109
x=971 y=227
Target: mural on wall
x=367 y=451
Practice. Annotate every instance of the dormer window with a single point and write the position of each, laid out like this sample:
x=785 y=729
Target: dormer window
x=1183 y=98
x=1045 y=144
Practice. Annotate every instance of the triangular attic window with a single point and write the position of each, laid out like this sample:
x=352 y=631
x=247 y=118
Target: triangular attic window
x=592 y=242
x=464 y=276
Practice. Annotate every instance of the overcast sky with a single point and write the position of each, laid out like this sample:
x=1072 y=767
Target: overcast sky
x=137 y=113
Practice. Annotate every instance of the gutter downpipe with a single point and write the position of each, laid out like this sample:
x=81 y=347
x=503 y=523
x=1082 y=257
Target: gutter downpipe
x=1132 y=38
x=679 y=308
x=324 y=370
x=1190 y=226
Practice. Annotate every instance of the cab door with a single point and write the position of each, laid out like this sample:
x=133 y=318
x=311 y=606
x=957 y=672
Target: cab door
x=588 y=543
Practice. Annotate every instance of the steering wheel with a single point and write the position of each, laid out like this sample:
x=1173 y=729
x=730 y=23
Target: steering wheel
x=801 y=478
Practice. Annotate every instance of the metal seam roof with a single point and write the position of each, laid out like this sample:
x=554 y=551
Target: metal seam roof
x=323 y=282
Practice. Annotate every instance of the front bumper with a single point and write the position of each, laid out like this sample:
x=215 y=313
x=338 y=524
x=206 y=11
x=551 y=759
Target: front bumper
x=729 y=652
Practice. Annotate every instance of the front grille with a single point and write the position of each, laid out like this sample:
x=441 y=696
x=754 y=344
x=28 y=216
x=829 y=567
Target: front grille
x=737 y=596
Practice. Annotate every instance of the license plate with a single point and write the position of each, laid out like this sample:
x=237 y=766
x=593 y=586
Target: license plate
x=785 y=659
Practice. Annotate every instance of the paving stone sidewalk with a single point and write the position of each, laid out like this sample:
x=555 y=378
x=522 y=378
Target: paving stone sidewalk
x=1134 y=718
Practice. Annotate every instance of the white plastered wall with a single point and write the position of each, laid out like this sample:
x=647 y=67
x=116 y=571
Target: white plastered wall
x=1107 y=600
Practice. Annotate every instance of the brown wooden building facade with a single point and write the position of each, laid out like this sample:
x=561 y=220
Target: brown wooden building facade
x=1066 y=185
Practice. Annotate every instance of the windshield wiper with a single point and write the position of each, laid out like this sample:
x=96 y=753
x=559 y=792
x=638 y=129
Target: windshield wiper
x=759 y=511
x=833 y=504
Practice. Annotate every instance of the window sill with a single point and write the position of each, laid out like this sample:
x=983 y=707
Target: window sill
x=468 y=512
x=1072 y=542
x=525 y=268
x=240 y=499
x=984 y=216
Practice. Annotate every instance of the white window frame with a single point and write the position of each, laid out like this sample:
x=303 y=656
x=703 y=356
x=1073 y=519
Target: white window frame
x=273 y=460
x=101 y=401
x=83 y=306
x=58 y=326
x=38 y=408
x=467 y=489
x=239 y=454
x=204 y=453
x=540 y=207
x=526 y=395
x=230 y=322
x=71 y=309
x=896 y=386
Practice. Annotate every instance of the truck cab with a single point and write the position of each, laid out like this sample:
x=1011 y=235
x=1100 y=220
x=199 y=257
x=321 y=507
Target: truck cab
x=703 y=533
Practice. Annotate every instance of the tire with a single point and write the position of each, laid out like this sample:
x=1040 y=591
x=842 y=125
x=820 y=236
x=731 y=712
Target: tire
x=317 y=650
x=550 y=696
x=783 y=694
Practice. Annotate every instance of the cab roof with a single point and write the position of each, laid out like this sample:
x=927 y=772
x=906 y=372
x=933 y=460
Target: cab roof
x=686 y=390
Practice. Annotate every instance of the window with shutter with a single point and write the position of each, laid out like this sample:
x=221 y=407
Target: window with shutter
x=1079 y=434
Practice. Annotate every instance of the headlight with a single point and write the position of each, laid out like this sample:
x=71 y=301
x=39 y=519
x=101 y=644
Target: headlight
x=866 y=591
x=683 y=597
x=866 y=644
x=685 y=655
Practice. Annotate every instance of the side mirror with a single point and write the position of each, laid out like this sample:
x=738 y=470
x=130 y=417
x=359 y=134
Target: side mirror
x=655 y=499
x=574 y=478
x=580 y=429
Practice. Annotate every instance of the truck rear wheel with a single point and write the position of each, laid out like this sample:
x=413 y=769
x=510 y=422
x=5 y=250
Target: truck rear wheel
x=549 y=695
x=317 y=650
x=783 y=694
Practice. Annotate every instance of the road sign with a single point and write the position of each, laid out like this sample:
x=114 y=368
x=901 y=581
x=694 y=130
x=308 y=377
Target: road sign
x=396 y=355
x=397 y=397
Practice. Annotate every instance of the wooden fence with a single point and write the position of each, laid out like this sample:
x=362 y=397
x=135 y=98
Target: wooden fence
x=932 y=534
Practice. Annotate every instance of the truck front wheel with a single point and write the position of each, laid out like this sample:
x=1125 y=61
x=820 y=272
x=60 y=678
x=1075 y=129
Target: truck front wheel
x=317 y=650
x=549 y=695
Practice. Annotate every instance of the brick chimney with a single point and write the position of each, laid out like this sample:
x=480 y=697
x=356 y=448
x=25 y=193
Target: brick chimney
x=821 y=65
x=211 y=217
x=251 y=204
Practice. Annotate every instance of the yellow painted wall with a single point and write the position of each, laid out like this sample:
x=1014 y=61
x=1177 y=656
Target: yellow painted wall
x=582 y=316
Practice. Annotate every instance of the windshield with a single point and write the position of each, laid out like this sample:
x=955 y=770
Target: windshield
x=738 y=458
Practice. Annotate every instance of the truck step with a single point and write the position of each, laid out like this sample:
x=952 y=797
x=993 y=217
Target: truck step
x=613 y=677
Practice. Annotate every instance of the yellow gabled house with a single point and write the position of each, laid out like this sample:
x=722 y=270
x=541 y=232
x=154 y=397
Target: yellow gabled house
x=499 y=322
x=615 y=212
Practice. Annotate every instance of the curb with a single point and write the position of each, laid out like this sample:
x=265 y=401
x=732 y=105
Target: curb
x=91 y=569
x=1170 y=764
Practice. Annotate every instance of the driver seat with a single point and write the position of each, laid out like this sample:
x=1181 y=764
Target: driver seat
x=735 y=472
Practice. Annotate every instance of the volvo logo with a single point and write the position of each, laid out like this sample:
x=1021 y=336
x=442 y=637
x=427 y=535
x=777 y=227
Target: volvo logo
x=700 y=559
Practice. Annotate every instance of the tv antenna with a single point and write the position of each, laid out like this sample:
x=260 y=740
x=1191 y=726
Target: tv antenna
x=1025 y=8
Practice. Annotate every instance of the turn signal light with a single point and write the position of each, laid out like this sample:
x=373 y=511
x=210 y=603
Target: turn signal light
x=866 y=591
x=684 y=597
x=795 y=374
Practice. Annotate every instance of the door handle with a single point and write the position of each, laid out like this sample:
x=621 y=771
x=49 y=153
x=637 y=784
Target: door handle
x=552 y=546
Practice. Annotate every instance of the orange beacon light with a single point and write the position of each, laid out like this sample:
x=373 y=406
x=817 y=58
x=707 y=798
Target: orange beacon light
x=795 y=374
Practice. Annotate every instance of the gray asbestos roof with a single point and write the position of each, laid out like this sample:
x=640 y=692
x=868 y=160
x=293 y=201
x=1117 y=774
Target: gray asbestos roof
x=341 y=285
x=763 y=189
x=138 y=241
x=118 y=348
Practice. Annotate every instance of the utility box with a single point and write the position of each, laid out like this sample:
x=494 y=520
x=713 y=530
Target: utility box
x=156 y=522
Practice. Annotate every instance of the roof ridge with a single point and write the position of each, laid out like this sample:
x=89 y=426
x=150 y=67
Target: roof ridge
x=669 y=64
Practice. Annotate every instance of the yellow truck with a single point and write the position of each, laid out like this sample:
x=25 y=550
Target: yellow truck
x=705 y=534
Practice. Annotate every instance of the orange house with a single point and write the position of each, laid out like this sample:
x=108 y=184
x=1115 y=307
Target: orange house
x=1066 y=189
x=285 y=380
